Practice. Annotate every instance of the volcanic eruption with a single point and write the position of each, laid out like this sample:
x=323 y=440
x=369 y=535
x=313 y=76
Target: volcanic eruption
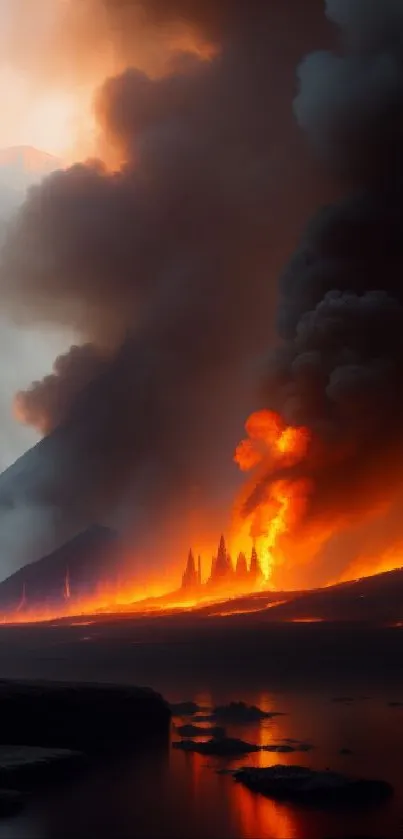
x=338 y=368
x=165 y=264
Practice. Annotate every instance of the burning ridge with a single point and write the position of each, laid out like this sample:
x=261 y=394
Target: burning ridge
x=164 y=267
x=338 y=368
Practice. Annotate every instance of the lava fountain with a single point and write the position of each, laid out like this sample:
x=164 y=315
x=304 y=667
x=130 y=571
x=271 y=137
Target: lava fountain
x=271 y=502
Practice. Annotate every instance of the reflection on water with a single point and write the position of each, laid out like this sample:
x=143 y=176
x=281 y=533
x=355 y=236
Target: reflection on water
x=258 y=817
x=171 y=793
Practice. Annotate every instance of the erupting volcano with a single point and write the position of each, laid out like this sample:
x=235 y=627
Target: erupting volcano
x=165 y=266
x=272 y=501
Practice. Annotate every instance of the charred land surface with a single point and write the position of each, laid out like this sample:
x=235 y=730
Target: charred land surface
x=50 y=731
x=92 y=718
x=174 y=652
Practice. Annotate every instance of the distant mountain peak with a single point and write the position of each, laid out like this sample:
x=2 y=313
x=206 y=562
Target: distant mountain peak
x=23 y=166
x=29 y=158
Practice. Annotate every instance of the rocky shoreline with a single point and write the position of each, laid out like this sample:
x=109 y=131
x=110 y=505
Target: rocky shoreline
x=51 y=730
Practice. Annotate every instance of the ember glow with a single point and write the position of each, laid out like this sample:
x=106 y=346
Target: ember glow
x=268 y=509
x=143 y=89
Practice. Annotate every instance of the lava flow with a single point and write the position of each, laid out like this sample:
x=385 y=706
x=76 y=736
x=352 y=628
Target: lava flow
x=268 y=522
x=263 y=514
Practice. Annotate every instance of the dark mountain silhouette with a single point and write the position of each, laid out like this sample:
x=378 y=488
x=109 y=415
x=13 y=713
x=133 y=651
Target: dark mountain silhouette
x=72 y=571
x=92 y=559
x=376 y=599
x=22 y=166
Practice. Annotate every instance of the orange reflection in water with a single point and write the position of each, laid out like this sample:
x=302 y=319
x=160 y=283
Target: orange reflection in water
x=261 y=817
x=307 y=620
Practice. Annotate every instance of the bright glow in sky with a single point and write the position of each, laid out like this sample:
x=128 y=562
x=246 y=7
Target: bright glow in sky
x=55 y=122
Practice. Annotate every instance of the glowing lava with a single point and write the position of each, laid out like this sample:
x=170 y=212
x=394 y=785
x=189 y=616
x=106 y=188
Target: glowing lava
x=269 y=505
x=67 y=592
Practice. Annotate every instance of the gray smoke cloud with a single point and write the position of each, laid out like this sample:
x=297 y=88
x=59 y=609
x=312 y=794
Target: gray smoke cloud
x=169 y=265
x=46 y=403
x=350 y=104
x=340 y=315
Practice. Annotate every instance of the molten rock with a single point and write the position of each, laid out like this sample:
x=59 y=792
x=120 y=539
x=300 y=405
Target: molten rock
x=27 y=766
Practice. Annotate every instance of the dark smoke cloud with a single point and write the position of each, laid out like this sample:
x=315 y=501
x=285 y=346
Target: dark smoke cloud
x=46 y=403
x=350 y=104
x=170 y=263
x=62 y=42
x=340 y=367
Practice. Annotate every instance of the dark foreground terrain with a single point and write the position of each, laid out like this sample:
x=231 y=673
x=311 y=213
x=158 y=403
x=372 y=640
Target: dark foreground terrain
x=336 y=686
x=160 y=651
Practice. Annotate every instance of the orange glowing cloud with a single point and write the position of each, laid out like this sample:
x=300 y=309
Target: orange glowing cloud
x=56 y=54
x=266 y=509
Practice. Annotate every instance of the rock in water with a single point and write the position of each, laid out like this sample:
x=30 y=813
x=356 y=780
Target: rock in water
x=239 y=712
x=233 y=747
x=224 y=747
x=319 y=789
x=185 y=709
x=28 y=766
x=83 y=717
x=190 y=730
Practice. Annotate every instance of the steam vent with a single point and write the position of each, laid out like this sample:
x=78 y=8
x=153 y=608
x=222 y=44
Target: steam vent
x=245 y=575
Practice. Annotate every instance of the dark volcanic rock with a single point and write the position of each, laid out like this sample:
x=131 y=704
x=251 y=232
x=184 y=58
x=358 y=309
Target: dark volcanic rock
x=197 y=731
x=319 y=789
x=11 y=803
x=22 y=766
x=92 y=556
x=79 y=716
x=184 y=709
x=239 y=712
x=287 y=747
x=233 y=747
x=225 y=747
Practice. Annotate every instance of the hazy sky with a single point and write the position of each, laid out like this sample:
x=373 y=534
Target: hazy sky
x=47 y=84
x=41 y=109
x=47 y=119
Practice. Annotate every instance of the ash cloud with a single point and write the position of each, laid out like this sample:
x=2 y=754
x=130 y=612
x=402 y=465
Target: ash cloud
x=46 y=403
x=168 y=265
x=340 y=315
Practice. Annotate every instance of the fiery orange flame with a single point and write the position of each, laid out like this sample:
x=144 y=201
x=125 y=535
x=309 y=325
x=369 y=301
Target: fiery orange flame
x=67 y=592
x=270 y=447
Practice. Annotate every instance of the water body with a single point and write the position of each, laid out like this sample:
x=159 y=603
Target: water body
x=168 y=793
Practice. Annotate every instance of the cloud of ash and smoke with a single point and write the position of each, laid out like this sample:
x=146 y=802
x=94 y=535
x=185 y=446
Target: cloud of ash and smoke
x=168 y=265
x=340 y=365
x=45 y=403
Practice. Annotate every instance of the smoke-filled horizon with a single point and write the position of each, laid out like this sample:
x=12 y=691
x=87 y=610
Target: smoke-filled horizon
x=168 y=266
x=339 y=366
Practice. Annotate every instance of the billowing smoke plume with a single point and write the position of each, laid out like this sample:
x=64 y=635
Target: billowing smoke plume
x=169 y=264
x=340 y=366
x=46 y=403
